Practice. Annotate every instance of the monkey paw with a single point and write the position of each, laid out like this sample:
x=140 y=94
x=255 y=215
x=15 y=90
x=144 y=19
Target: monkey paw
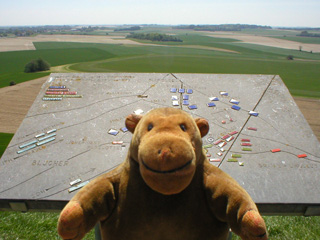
x=253 y=226
x=71 y=222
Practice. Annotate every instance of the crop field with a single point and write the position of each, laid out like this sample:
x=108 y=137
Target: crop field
x=12 y=63
x=302 y=39
x=286 y=35
x=294 y=73
x=300 y=75
x=270 y=32
x=197 y=53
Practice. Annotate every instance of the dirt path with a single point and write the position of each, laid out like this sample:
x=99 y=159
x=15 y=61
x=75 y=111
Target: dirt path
x=16 y=101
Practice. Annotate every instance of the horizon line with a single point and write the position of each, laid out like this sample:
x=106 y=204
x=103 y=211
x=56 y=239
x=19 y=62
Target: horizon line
x=154 y=24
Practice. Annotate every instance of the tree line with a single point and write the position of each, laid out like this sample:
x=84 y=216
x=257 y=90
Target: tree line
x=307 y=34
x=29 y=31
x=154 y=37
x=24 y=31
x=300 y=28
x=221 y=27
x=134 y=28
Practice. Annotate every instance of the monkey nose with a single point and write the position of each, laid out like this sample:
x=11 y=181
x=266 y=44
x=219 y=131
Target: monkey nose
x=164 y=153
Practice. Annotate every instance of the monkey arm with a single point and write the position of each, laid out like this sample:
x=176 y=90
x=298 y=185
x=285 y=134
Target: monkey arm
x=91 y=204
x=230 y=203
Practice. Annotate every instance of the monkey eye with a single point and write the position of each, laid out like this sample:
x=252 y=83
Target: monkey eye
x=150 y=126
x=183 y=127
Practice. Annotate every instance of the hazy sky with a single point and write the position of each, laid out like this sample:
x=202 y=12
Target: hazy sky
x=59 y=12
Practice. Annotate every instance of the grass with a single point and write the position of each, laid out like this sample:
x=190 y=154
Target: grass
x=5 y=139
x=30 y=226
x=16 y=226
x=291 y=228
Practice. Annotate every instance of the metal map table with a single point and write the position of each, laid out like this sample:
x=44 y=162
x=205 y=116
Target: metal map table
x=75 y=131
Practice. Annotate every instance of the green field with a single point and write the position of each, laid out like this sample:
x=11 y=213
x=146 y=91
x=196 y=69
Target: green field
x=312 y=40
x=12 y=63
x=284 y=34
x=270 y=32
x=301 y=75
x=5 y=139
x=294 y=73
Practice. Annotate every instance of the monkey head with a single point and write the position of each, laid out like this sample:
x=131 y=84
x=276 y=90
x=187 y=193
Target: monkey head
x=167 y=145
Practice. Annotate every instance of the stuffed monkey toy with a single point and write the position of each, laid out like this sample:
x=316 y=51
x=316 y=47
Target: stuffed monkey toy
x=166 y=189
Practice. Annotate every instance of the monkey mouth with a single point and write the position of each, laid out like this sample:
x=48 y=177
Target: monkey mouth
x=167 y=171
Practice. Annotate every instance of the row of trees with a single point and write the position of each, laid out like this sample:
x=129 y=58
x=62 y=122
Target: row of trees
x=300 y=28
x=154 y=37
x=134 y=28
x=307 y=34
x=28 y=31
x=221 y=27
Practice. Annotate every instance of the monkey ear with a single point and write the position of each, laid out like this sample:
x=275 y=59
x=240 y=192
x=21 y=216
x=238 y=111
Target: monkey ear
x=132 y=121
x=203 y=126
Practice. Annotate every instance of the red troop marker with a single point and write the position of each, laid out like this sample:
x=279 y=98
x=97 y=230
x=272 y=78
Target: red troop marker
x=252 y=128
x=245 y=140
x=58 y=90
x=246 y=144
x=233 y=133
x=225 y=137
x=61 y=93
x=302 y=155
x=229 y=139
x=215 y=160
x=217 y=142
x=276 y=150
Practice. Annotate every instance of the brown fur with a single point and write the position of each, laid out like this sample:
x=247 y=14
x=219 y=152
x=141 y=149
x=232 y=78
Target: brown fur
x=165 y=189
